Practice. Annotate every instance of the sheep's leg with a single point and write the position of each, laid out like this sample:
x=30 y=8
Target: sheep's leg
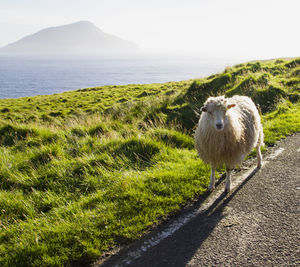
x=228 y=180
x=212 y=179
x=259 y=156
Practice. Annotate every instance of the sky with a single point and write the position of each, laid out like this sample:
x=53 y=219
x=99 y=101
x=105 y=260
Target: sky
x=229 y=28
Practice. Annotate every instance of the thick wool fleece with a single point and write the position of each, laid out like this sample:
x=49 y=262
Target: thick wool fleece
x=242 y=132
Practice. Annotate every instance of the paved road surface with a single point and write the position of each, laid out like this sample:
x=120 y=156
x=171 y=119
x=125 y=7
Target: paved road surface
x=257 y=224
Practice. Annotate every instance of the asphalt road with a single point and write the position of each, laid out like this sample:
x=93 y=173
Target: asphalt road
x=257 y=224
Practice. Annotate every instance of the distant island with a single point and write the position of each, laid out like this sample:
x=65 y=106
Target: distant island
x=80 y=38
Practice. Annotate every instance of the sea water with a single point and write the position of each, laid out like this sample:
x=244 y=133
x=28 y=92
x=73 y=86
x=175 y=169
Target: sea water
x=22 y=76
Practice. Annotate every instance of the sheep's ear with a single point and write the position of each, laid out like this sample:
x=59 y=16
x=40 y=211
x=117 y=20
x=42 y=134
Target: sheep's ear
x=230 y=106
x=204 y=109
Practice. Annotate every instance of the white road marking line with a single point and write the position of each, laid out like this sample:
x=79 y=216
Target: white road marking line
x=276 y=153
x=184 y=219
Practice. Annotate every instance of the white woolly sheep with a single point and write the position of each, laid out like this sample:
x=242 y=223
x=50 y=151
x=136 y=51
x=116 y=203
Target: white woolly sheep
x=228 y=129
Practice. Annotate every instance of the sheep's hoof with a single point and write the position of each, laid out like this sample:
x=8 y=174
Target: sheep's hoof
x=258 y=166
x=211 y=188
x=227 y=190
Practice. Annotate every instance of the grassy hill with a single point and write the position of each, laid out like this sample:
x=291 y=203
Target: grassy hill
x=84 y=171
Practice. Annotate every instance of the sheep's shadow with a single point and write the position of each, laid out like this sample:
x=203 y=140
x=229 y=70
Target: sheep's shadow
x=179 y=248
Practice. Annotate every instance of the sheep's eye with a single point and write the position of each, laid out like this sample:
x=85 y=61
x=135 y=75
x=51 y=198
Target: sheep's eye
x=209 y=112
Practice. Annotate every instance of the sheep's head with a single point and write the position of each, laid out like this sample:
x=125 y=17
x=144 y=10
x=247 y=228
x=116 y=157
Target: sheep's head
x=215 y=109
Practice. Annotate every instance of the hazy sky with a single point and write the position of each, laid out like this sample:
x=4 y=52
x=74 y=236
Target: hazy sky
x=242 y=28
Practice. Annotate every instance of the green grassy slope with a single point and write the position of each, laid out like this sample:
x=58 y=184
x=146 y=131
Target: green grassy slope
x=84 y=171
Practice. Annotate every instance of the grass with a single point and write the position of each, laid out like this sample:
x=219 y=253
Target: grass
x=85 y=171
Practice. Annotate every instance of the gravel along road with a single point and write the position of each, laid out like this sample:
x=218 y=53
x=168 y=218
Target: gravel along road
x=257 y=224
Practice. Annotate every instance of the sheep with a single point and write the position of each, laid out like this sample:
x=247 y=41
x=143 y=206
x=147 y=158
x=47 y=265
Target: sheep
x=228 y=129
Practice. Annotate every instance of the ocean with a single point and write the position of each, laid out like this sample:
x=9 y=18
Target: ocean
x=29 y=76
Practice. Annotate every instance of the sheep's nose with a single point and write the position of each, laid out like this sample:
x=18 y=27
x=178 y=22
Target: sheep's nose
x=219 y=125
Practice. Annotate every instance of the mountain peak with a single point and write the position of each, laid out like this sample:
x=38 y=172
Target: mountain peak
x=81 y=37
x=83 y=22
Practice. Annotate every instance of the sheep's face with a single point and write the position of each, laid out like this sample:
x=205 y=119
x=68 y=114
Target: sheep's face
x=216 y=113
